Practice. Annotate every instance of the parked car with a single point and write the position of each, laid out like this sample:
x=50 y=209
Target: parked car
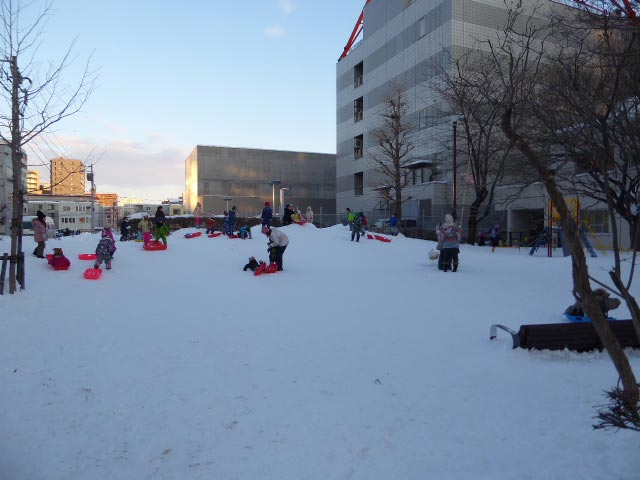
x=404 y=225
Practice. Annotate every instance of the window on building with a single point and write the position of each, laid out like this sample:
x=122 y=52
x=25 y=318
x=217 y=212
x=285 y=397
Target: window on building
x=423 y=175
x=51 y=207
x=358 y=184
x=422 y=27
x=596 y=221
x=358 y=75
x=358 y=143
x=422 y=119
x=66 y=208
x=358 y=109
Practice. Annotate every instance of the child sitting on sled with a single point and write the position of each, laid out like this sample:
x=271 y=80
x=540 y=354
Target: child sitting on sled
x=59 y=261
x=252 y=265
x=245 y=232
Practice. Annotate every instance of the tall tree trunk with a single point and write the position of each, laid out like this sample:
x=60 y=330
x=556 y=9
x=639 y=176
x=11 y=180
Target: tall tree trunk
x=581 y=284
x=472 y=223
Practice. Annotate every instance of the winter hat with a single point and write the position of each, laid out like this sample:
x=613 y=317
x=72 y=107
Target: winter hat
x=266 y=230
x=40 y=215
x=234 y=208
x=267 y=204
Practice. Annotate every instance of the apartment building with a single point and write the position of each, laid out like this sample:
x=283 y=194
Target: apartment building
x=67 y=177
x=33 y=182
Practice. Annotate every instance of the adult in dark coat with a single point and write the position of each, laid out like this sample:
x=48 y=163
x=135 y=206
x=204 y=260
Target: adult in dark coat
x=124 y=229
x=286 y=216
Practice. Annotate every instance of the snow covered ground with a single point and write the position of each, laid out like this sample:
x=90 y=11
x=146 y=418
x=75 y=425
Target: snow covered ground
x=359 y=361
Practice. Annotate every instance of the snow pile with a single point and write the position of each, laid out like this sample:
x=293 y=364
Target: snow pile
x=360 y=360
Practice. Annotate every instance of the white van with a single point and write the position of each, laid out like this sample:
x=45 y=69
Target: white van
x=27 y=225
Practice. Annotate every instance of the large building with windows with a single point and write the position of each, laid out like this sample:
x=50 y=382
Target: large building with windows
x=67 y=177
x=221 y=177
x=404 y=42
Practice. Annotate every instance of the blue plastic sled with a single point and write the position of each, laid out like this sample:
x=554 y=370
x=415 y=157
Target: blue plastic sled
x=579 y=319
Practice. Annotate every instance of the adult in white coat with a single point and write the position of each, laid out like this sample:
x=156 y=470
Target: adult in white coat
x=278 y=242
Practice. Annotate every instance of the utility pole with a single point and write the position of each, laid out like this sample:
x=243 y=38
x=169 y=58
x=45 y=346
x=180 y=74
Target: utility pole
x=93 y=195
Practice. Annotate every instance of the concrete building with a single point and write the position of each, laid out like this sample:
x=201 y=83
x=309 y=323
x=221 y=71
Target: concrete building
x=7 y=186
x=33 y=182
x=402 y=42
x=67 y=211
x=220 y=177
x=67 y=177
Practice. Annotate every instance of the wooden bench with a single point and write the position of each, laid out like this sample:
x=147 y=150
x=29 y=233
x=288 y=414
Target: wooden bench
x=580 y=337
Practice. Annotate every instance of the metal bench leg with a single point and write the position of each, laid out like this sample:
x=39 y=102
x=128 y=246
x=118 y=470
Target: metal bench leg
x=493 y=333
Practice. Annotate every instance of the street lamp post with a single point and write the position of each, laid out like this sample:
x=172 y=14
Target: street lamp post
x=226 y=199
x=273 y=192
x=455 y=169
x=282 y=190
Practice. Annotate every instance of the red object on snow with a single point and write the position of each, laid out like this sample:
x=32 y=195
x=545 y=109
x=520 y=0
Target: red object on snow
x=381 y=238
x=233 y=236
x=260 y=269
x=192 y=235
x=214 y=235
x=369 y=236
x=93 y=273
x=49 y=256
x=61 y=267
x=155 y=245
x=87 y=256
x=271 y=268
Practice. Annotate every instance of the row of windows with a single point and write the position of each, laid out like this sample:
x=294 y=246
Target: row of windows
x=415 y=176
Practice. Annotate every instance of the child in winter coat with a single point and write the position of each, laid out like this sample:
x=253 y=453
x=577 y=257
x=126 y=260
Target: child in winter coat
x=211 y=225
x=105 y=250
x=59 y=261
x=450 y=235
x=357 y=227
x=145 y=227
x=252 y=265
x=245 y=232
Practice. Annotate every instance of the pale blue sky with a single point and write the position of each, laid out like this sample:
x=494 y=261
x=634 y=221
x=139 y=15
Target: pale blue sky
x=253 y=73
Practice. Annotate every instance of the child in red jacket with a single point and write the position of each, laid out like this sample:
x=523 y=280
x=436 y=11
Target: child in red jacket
x=59 y=261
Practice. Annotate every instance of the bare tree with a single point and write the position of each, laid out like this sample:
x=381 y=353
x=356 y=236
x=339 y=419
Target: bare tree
x=394 y=145
x=460 y=84
x=522 y=63
x=35 y=98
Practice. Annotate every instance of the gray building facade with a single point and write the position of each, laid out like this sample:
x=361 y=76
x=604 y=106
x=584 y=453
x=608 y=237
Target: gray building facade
x=220 y=177
x=403 y=42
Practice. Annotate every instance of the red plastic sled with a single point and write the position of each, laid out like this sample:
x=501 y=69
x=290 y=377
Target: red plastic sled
x=59 y=267
x=214 y=235
x=378 y=237
x=271 y=268
x=87 y=256
x=154 y=245
x=49 y=256
x=93 y=273
x=260 y=269
x=192 y=235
